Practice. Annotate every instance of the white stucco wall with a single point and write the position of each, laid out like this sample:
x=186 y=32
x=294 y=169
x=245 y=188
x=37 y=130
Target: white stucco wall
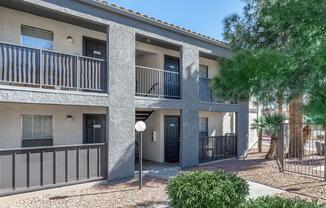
x=154 y=150
x=156 y=59
x=10 y=30
x=219 y=123
x=253 y=137
x=64 y=131
x=213 y=66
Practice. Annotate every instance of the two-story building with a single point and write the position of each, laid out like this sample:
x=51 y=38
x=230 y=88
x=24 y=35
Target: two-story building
x=75 y=75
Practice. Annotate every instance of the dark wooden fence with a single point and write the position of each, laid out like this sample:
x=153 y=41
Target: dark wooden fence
x=301 y=149
x=29 y=169
x=217 y=148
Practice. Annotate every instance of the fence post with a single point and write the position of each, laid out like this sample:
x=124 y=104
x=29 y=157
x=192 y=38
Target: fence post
x=280 y=145
x=324 y=153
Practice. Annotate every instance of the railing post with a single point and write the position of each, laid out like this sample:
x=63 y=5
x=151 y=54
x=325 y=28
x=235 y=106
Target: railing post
x=77 y=164
x=54 y=167
x=159 y=84
x=28 y=169
x=324 y=153
x=77 y=73
x=41 y=72
x=13 y=171
x=41 y=167
x=280 y=145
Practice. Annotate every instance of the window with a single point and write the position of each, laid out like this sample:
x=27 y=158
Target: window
x=36 y=127
x=36 y=38
x=203 y=71
x=203 y=127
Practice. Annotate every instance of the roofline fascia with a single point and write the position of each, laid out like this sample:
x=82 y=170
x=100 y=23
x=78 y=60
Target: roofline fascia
x=154 y=22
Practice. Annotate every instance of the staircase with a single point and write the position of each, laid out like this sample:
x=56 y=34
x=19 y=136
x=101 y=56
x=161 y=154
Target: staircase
x=143 y=115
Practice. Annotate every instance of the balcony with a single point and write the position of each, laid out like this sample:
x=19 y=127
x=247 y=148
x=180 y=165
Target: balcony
x=151 y=82
x=206 y=91
x=31 y=67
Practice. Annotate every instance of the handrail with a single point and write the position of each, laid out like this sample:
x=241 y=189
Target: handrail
x=152 y=88
x=51 y=51
x=52 y=147
x=206 y=137
x=161 y=70
x=54 y=69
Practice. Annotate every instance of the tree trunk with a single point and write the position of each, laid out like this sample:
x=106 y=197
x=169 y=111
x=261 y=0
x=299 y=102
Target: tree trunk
x=280 y=105
x=271 y=153
x=260 y=140
x=295 y=126
x=307 y=133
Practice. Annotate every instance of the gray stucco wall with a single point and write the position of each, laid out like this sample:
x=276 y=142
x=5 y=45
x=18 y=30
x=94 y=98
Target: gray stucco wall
x=189 y=114
x=242 y=128
x=121 y=137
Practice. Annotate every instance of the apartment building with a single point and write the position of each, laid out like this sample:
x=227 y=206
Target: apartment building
x=75 y=75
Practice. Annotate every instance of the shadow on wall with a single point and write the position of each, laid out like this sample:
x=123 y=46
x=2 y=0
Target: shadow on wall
x=125 y=164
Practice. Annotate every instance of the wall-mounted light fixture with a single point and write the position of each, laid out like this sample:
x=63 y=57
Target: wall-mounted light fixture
x=69 y=117
x=69 y=39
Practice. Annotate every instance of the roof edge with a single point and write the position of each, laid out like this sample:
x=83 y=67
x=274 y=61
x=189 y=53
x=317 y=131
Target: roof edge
x=153 y=21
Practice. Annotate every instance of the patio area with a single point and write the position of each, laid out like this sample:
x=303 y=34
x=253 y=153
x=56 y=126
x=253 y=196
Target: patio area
x=263 y=176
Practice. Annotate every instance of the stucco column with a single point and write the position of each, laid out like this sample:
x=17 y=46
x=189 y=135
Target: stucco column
x=189 y=141
x=121 y=115
x=242 y=124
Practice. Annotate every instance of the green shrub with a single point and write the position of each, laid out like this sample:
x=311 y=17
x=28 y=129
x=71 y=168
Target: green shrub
x=277 y=202
x=207 y=189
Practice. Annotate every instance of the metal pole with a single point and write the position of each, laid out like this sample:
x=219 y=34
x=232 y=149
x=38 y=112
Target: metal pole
x=324 y=153
x=141 y=160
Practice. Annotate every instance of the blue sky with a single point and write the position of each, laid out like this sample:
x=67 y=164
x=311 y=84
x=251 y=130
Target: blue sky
x=203 y=16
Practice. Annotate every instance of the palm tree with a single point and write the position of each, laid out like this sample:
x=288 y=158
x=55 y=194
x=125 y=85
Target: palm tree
x=259 y=125
x=272 y=123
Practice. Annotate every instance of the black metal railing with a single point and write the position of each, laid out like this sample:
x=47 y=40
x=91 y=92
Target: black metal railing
x=32 y=67
x=159 y=83
x=217 y=148
x=28 y=169
x=206 y=92
x=301 y=149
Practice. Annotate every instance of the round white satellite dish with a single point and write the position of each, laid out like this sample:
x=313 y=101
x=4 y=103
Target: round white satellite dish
x=140 y=126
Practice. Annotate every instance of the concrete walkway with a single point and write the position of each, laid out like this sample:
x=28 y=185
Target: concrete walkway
x=166 y=170
x=257 y=190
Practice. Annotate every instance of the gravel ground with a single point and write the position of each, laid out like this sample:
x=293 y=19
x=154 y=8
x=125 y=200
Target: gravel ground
x=255 y=168
x=126 y=193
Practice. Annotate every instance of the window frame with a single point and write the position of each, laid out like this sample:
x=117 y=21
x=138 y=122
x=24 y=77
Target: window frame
x=206 y=130
x=36 y=138
x=38 y=29
x=206 y=71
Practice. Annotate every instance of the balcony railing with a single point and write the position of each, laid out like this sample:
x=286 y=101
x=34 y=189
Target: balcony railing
x=217 y=147
x=152 y=82
x=206 y=91
x=31 y=67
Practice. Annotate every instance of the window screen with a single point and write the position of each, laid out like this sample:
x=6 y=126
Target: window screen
x=36 y=38
x=36 y=127
x=203 y=71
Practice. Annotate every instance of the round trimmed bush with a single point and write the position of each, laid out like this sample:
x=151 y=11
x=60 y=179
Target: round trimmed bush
x=278 y=202
x=207 y=189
